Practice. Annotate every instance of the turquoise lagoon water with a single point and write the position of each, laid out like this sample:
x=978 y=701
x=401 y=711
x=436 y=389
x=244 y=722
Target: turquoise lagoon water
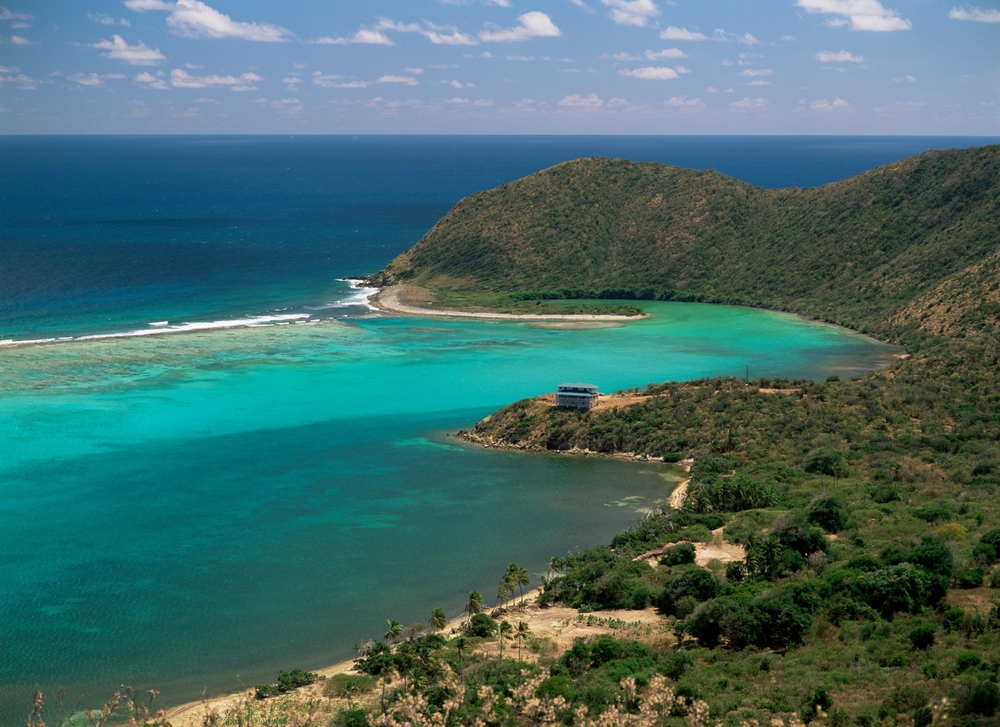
x=183 y=509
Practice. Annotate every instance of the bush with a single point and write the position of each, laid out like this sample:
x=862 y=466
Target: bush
x=482 y=625
x=922 y=637
x=884 y=494
x=894 y=555
x=827 y=511
x=906 y=700
x=825 y=462
x=967 y=661
x=678 y=555
x=556 y=686
x=902 y=587
x=287 y=681
x=352 y=718
x=923 y=717
x=984 y=554
x=970 y=578
x=818 y=700
x=992 y=537
x=677 y=664
x=933 y=555
x=980 y=698
x=698 y=584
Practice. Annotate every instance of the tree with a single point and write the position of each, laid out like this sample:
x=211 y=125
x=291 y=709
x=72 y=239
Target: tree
x=521 y=634
x=504 y=589
x=438 y=619
x=475 y=604
x=460 y=645
x=394 y=630
x=518 y=578
x=504 y=633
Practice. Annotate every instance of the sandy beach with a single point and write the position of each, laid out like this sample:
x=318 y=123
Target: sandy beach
x=406 y=299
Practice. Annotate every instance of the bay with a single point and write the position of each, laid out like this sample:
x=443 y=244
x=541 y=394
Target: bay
x=180 y=509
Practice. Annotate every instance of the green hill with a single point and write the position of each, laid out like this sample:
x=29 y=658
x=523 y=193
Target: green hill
x=879 y=252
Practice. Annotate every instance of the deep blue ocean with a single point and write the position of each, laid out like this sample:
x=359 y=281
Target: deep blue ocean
x=177 y=510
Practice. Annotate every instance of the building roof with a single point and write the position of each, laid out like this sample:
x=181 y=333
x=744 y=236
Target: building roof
x=577 y=386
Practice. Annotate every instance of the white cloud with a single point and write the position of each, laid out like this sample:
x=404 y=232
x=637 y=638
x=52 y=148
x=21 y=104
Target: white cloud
x=148 y=80
x=590 y=102
x=665 y=53
x=6 y=14
x=632 y=12
x=403 y=80
x=457 y=100
x=25 y=83
x=863 y=14
x=352 y=84
x=838 y=104
x=745 y=39
x=520 y=58
x=94 y=80
x=482 y=102
x=18 y=40
x=978 y=15
x=195 y=19
x=626 y=57
x=137 y=55
x=905 y=79
x=459 y=84
x=415 y=71
x=371 y=37
x=139 y=109
x=756 y=72
x=108 y=20
x=530 y=25
x=651 y=73
x=327 y=40
x=789 y=39
x=182 y=79
x=759 y=83
x=827 y=56
x=453 y=37
x=683 y=103
x=747 y=105
x=675 y=33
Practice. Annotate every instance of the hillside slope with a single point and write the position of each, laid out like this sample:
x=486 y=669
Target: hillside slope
x=858 y=252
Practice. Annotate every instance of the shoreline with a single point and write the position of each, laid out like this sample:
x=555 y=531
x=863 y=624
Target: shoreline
x=388 y=300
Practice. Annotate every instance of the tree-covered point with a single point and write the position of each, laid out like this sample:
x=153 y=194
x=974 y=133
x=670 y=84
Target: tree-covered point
x=911 y=245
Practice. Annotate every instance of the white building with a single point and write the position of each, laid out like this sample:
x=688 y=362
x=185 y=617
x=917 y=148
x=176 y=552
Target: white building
x=579 y=396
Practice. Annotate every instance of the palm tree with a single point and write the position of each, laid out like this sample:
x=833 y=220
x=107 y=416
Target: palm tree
x=520 y=578
x=460 y=645
x=438 y=620
x=475 y=604
x=503 y=590
x=521 y=634
x=555 y=566
x=395 y=629
x=505 y=633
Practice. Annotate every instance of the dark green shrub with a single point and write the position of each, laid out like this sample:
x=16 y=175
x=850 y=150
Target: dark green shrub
x=828 y=511
x=884 y=494
x=932 y=512
x=678 y=555
x=343 y=685
x=933 y=555
x=902 y=587
x=984 y=554
x=922 y=637
x=352 y=718
x=698 y=584
x=800 y=537
x=705 y=624
x=967 y=661
x=991 y=537
x=557 y=686
x=953 y=619
x=970 y=578
x=818 y=700
x=287 y=681
x=825 y=462
x=980 y=698
x=482 y=625
x=894 y=555
x=865 y=562
x=677 y=664
x=906 y=699
x=922 y=717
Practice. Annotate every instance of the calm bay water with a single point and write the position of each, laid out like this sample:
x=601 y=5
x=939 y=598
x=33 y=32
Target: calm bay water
x=179 y=509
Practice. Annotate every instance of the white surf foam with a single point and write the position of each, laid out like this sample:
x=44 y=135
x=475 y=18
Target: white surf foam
x=253 y=322
x=359 y=296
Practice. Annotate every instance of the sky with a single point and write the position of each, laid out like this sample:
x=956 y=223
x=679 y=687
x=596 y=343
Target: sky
x=500 y=67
